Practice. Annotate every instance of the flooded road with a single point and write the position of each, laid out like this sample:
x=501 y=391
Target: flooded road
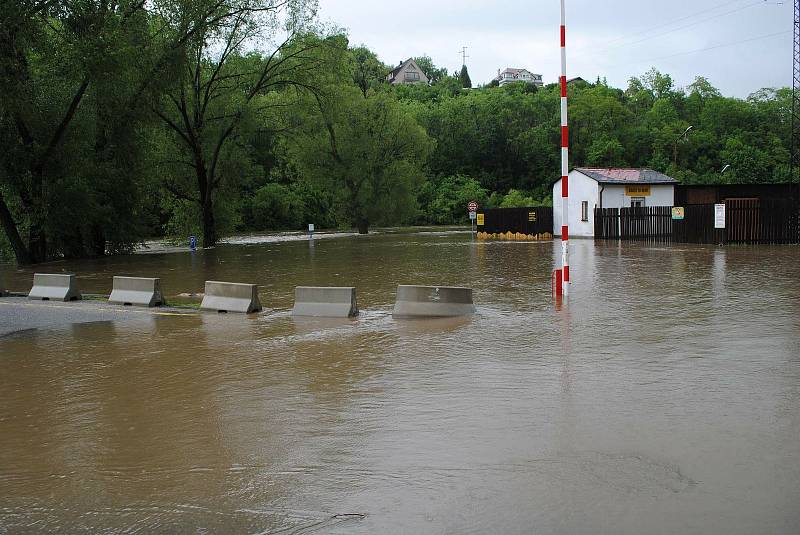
x=663 y=398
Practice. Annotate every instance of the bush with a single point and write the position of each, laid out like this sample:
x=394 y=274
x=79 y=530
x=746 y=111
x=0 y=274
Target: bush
x=444 y=201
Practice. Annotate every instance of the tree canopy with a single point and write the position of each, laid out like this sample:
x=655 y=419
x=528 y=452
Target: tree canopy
x=122 y=121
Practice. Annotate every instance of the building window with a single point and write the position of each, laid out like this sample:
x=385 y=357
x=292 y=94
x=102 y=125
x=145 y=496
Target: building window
x=584 y=210
x=410 y=76
x=637 y=202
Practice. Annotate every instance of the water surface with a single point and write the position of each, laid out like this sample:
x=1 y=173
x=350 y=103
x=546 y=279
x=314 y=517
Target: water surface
x=664 y=397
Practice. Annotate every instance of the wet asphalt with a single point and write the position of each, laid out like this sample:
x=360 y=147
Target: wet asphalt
x=18 y=314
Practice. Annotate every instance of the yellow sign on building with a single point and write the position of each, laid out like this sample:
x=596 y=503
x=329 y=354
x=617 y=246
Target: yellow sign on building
x=531 y=216
x=480 y=220
x=637 y=190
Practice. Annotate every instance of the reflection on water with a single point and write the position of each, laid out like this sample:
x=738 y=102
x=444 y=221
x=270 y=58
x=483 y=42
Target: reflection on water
x=662 y=397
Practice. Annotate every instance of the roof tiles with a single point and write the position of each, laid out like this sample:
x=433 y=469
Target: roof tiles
x=626 y=176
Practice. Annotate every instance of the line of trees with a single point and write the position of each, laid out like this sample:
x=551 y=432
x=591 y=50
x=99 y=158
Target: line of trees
x=123 y=120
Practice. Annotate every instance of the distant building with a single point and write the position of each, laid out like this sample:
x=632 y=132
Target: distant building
x=591 y=188
x=576 y=80
x=518 y=75
x=408 y=72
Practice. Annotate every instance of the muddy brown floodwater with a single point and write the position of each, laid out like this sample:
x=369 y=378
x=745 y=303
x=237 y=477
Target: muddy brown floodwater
x=664 y=398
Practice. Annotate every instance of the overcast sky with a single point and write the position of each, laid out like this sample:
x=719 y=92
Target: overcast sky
x=612 y=38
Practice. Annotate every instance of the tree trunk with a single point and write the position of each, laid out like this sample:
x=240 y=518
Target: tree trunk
x=209 y=226
x=10 y=227
x=37 y=241
x=37 y=237
x=363 y=225
x=97 y=244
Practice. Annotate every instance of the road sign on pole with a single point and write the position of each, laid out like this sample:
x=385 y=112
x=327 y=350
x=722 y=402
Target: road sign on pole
x=472 y=206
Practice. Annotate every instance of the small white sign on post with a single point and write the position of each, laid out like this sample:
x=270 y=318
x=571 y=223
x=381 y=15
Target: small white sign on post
x=719 y=216
x=473 y=215
x=311 y=227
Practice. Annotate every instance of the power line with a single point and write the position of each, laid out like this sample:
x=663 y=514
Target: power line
x=718 y=46
x=695 y=23
x=659 y=26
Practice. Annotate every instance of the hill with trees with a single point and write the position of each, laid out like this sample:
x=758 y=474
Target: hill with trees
x=131 y=120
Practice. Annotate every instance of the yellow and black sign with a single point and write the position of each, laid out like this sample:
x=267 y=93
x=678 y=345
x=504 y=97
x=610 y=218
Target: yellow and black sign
x=480 y=220
x=637 y=190
x=531 y=216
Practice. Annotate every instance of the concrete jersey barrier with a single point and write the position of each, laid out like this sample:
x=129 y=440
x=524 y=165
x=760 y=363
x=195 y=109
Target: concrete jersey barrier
x=54 y=287
x=432 y=301
x=320 y=301
x=136 y=291
x=231 y=297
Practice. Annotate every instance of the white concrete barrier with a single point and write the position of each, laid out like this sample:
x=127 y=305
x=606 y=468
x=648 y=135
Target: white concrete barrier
x=54 y=287
x=136 y=291
x=320 y=301
x=432 y=301
x=231 y=297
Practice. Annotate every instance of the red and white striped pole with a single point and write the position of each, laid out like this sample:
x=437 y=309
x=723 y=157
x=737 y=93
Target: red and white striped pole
x=564 y=157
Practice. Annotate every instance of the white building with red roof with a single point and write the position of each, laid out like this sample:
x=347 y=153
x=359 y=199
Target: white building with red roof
x=591 y=188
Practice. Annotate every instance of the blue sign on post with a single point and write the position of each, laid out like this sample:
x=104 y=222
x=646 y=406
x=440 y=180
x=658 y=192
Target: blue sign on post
x=192 y=243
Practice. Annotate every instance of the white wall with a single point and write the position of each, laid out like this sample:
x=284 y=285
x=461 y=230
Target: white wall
x=581 y=188
x=660 y=195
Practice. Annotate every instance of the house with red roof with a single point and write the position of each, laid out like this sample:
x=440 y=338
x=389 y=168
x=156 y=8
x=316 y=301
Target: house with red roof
x=591 y=188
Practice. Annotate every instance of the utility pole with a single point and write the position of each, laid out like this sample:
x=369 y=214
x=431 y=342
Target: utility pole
x=464 y=55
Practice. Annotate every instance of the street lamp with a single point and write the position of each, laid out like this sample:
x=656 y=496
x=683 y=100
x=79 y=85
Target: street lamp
x=675 y=147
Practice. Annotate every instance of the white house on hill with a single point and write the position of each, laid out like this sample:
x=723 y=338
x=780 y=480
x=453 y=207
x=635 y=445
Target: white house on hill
x=518 y=75
x=408 y=72
x=591 y=188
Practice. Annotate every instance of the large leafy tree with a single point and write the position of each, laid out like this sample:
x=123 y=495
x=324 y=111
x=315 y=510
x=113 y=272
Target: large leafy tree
x=222 y=89
x=66 y=73
x=370 y=153
x=75 y=77
x=367 y=70
x=434 y=74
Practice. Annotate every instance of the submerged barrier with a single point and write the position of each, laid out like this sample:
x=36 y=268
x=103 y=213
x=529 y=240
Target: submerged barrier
x=136 y=291
x=231 y=297
x=316 y=301
x=320 y=301
x=54 y=287
x=433 y=301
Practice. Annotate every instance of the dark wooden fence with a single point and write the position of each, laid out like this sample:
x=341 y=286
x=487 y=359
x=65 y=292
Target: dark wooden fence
x=746 y=221
x=529 y=221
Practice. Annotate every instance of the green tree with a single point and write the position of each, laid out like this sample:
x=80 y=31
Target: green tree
x=221 y=92
x=369 y=153
x=463 y=77
x=435 y=74
x=517 y=199
x=368 y=71
x=605 y=151
x=72 y=75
